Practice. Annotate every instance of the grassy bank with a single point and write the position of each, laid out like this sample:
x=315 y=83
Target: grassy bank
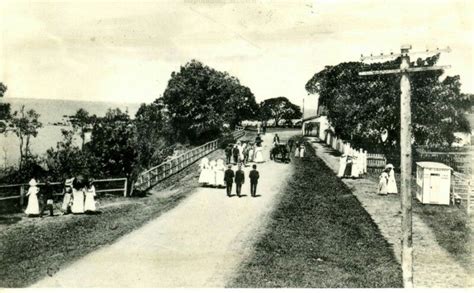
x=33 y=248
x=319 y=236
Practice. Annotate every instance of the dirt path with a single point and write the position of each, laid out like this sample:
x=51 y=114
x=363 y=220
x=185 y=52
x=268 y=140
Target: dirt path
x=200 y=243
x=433 y=266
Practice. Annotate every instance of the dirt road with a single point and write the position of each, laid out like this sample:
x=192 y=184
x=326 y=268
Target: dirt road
x=200 y=243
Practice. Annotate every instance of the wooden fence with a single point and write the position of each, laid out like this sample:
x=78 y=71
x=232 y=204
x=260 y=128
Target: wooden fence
x=18 y=191
x=153 y=176
x=463 y=189
x=459 y=161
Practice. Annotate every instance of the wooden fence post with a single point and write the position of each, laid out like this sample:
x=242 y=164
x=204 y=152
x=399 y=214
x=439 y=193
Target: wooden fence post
x=469 y=193
x=125 y=188
x=22 y=196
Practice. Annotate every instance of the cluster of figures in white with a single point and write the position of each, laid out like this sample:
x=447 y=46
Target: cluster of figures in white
x=387 y=182
x=78 y=197
x=350 y=166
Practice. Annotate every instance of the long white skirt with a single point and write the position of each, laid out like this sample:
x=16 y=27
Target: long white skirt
x=211 y=179
x=204 y=176
x=258 y=155
x=392 y=184
x=33 y=206
x=78 y=202
x=302 y=152
x=355 y=168
x=251 y=153
x=90 y=202
x=220 y=177
x=297 y=152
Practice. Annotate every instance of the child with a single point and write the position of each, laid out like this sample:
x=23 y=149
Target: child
x=67 y=200
x=89 y=192
x=32 y=208
x=383 y=180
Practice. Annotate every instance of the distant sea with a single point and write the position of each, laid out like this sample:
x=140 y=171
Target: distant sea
x=51 y=111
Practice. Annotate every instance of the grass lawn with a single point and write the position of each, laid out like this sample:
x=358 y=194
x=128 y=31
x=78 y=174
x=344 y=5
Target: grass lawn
x=319 y=236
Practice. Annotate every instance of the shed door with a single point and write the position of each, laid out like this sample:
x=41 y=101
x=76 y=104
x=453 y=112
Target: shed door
x=435 y=188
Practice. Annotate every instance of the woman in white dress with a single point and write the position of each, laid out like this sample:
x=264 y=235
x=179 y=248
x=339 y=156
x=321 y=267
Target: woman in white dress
x=89 y=191
x=355 y=167
x=212 y=173
x=297 y=150
x=251 y=153
x=342 y=166
x=32 y=209
x=67 y=199
x=204 y=175
x=392 y=183
x=78 y=196
x=220 y=169
x=258 y=155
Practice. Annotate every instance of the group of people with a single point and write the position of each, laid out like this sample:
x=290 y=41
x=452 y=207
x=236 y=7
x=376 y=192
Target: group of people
x=299 y=146
x=350 y=166
x=238 y=177
x=212 y=173
x=387 y=182
x=245 y=152
x=78 y=197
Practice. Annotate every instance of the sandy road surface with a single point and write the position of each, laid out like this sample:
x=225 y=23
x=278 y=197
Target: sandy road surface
x=200 y=243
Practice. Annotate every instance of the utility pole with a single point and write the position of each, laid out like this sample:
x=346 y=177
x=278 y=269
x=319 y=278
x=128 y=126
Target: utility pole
x=405 y=148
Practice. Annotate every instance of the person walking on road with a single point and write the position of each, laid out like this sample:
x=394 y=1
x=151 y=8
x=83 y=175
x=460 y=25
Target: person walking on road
x=239 y=180
x=254 y=175
x=236 y=153
x=229 y=179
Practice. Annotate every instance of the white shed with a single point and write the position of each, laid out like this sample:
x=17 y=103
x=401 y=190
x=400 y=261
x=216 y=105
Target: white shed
x=433 y=181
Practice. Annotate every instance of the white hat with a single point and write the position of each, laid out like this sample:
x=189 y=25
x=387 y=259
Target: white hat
x=389 y=166
x=32 y=182
x=69 y=182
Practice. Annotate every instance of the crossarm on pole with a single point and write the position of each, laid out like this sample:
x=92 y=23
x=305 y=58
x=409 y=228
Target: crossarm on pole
x=411 y=69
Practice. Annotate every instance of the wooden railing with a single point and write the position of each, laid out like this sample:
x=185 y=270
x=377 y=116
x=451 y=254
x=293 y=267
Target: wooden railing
x=463 y=189
x=153 y=176
x=18 y=191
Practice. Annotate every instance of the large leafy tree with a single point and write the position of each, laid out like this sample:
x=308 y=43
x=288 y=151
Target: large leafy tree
x=154 y=134
x=200 y=100
x=279 y=108
x=113 y=145
x=361 y=108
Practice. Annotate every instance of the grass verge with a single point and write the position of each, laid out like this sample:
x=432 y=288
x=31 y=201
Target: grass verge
x=320 y=237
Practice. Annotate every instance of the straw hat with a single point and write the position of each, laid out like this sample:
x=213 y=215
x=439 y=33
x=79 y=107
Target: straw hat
x=33 y=182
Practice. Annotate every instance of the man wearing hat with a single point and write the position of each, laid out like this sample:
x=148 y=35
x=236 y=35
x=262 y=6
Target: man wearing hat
x=229 y=179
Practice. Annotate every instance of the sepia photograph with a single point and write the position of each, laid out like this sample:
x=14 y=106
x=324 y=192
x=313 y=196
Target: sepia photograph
x=236 y=144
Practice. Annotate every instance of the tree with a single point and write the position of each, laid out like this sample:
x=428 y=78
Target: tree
x=25 y=125
x=278 y=109
x=67 y=159
x=154 y=134
x=81 y=123
x=200 y=100
x=360 y=108
x=113 y=146
x=5 y=111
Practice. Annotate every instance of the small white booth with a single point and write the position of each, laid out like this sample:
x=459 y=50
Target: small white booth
x=433 y=182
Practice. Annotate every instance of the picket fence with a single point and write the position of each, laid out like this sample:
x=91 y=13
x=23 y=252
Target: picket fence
x=369 y=162
x=153 y=176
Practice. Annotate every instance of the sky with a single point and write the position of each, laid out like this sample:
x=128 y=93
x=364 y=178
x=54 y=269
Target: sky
x=125 y=51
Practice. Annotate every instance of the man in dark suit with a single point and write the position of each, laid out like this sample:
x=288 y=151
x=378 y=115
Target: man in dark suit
x=254 y=175
x=229 y=179
x=235 y=154
x=228 y=153
x=239 y=180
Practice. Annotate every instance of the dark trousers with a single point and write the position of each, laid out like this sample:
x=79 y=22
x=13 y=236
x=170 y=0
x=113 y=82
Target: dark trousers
x=238 y=188
x=253 y=188
x=228 y=188
x=236 y=159
x=45 y=206
x=228 y=159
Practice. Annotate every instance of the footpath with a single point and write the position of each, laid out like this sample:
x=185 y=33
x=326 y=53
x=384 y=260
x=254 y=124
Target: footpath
x=199 y=243
x=433 y=266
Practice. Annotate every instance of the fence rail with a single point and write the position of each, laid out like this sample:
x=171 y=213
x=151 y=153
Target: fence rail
x=153 y=176
x=462 y=188
x=18 y=191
